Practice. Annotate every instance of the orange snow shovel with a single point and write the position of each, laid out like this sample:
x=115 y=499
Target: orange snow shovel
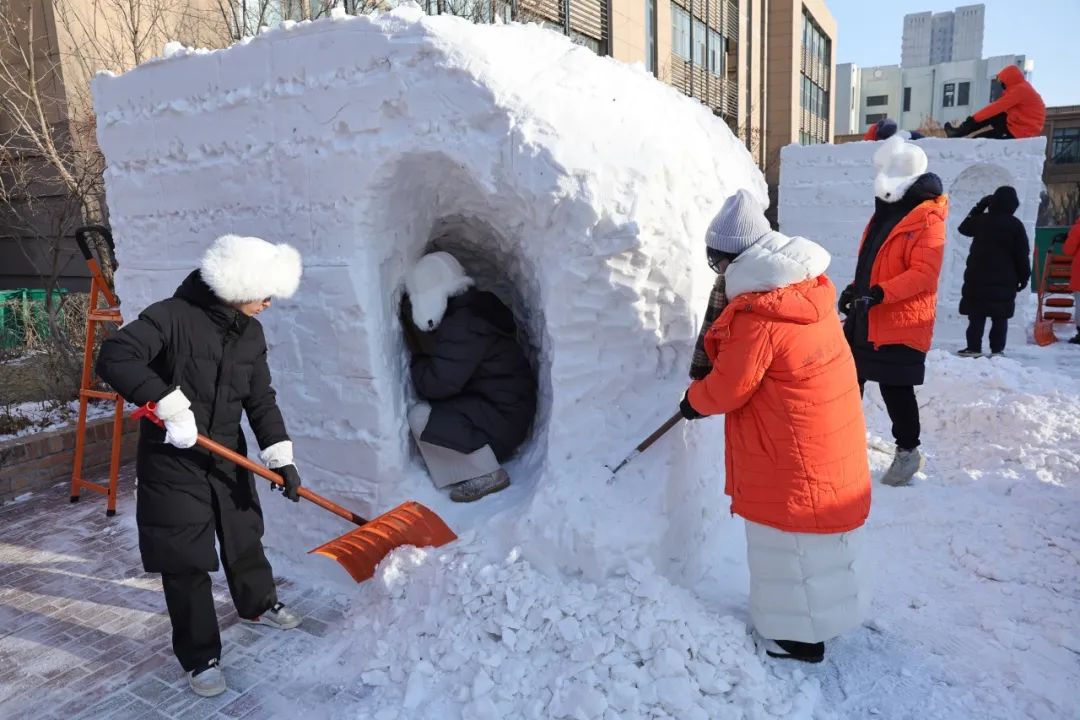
x=361 y=550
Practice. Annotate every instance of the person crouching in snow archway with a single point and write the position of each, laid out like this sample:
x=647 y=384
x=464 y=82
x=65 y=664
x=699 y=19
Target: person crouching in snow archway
x=1019 y=113
x=892 y=303
x=795 y=437
x=201 y=356
x=998 y=267
x=477 y=387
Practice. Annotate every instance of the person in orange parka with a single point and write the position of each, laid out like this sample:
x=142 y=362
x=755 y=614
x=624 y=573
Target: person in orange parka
x=795 y=436
x=891 y=305
x=1019 y=113
x=1072 y=247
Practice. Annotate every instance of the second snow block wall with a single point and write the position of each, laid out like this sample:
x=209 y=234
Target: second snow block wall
x=827 y=195
x=366 y=142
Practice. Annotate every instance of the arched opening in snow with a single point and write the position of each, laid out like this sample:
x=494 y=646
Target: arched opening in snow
x=429 y=202
x=969 y=186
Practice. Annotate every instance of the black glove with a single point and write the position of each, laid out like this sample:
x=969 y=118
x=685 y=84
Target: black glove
x=847 y=299
x=983 y=203
x=877 y=296
x=687 y=409
x=291 y=489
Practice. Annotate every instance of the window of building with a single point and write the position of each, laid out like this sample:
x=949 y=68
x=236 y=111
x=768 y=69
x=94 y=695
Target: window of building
x=907 y=99
x=948 y=95
x=1065 y=146
x=874 y=117
x=996 y=89
x=963 y=94
x=680 y=32
x=650 y=36
x=816 y=71
x=874 y=100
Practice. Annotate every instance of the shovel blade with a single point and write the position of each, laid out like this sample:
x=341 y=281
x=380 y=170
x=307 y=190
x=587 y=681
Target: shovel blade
x=1044 y=333
x=361 y=550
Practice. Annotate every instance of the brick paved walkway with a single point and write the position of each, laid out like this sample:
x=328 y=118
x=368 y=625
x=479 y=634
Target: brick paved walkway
x=84 y=634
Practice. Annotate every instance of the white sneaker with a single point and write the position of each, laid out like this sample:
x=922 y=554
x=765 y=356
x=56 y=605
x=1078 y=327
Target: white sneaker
x=904 y=466
x=208 y=682
x=278 y=617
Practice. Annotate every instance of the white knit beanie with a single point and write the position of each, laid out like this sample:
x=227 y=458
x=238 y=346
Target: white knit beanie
x=739 y=224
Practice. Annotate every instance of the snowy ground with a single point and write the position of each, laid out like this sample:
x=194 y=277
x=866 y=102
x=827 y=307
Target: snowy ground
x=976 y=611
x=48 y=416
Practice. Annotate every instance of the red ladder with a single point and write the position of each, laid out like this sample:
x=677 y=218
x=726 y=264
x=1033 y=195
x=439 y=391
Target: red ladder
x=99 y=289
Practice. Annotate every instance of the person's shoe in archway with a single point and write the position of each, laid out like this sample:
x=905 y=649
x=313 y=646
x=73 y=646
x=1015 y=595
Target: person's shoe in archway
x=475 y=488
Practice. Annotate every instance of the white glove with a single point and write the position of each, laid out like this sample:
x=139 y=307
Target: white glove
x=175 y=411
x=277 y=455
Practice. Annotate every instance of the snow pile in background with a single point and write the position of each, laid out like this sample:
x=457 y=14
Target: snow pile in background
x=454 y=635
x=841 y=178
x=576 y=186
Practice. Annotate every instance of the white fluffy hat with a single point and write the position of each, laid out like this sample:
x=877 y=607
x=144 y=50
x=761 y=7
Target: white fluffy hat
x=243 y=269
x=899 y=164
x=435 y=279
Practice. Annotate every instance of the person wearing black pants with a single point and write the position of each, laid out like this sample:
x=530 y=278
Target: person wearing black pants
x=903 y=411
x=998 y=267
x=891 y=304
x=200 y=356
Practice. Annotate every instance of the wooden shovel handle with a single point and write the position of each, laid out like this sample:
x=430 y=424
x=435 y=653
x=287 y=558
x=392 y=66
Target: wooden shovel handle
x=660 y=432
x=147 y=412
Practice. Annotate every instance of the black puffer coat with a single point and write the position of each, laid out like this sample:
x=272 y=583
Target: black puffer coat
x=217 y=356
x=476 y=377
x=999 y=261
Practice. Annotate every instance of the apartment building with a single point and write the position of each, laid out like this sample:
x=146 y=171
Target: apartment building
x=934 y=38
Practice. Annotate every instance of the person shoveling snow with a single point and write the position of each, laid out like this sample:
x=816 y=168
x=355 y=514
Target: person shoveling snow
x=477 y=388
x=797 y=469
x=200 y=356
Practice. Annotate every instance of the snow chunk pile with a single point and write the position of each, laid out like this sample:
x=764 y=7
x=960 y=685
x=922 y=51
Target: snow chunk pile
x=453 y=635
x=582 y=184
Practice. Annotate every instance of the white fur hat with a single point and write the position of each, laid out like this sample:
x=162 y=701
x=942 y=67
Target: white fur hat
x=244 y=269
x=435 y=279
x=899 y=165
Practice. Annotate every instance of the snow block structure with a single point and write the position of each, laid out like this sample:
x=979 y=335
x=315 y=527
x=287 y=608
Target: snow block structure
x=827 y=195
x=577 y=187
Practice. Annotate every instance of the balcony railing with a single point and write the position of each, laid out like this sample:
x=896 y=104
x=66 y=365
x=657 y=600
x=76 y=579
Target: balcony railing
x=719 y=93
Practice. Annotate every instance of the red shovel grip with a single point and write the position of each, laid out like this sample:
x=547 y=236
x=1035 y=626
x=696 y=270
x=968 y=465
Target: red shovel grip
x=149 y=412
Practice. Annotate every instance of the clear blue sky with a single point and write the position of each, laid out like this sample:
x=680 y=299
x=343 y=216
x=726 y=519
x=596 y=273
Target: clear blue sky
x=1047 y=31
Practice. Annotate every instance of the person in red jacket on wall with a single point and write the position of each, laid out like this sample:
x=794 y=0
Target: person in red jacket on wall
x=795 y=437
x=1072 y=247
x=1019 y=113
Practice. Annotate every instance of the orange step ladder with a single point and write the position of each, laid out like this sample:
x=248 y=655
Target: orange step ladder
x=110 y=313
x=1056 y=304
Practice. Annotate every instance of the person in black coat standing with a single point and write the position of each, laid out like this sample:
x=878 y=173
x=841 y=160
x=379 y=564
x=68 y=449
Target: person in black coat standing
x=998 y=267
x=477 y=386
x=201 y=357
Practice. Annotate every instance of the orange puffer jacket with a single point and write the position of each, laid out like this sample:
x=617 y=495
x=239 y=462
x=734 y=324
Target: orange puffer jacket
x=1072 y=247
x=782 y=372
x=1024 y=108
x=907 y=268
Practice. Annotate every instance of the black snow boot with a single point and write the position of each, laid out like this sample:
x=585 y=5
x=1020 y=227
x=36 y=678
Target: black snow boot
x=1076 y=340
x=962 y=130
x=795 y=650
